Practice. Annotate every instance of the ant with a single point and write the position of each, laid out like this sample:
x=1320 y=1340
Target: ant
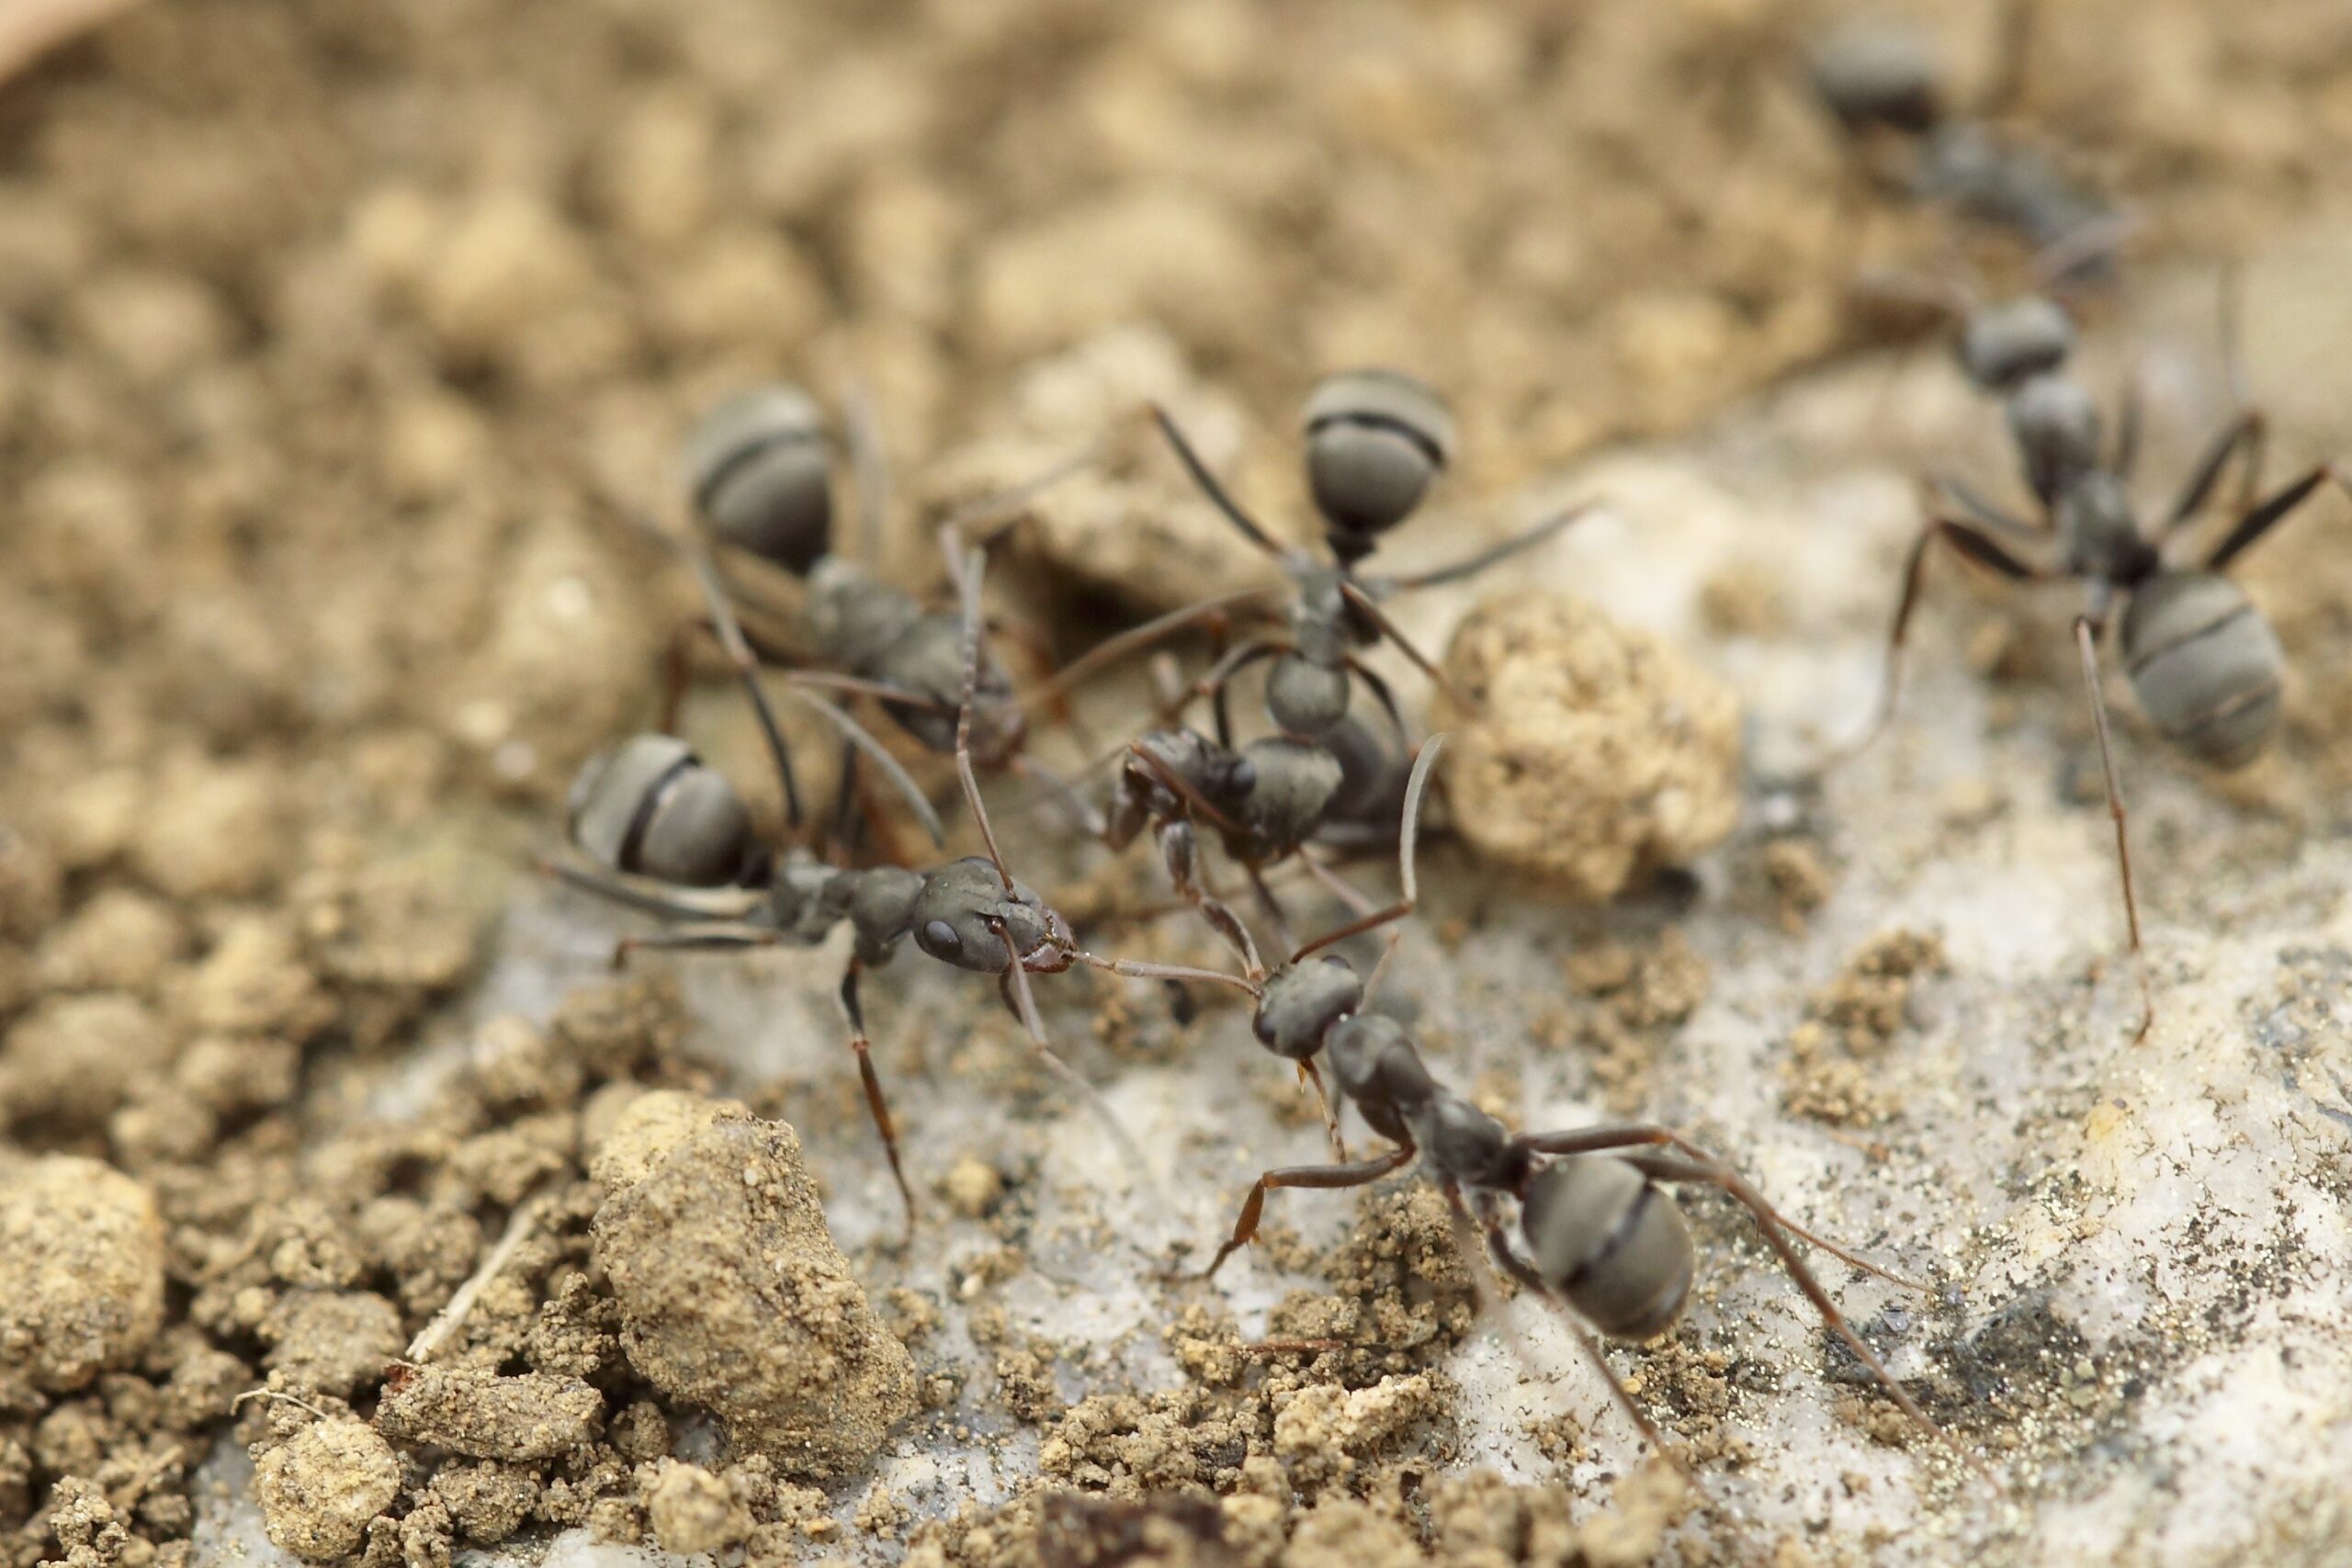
x=758 y=472
x=1598 y=1234
x=670 y=837
x=2204 y=664
x=1879 y=79
x=1375 y=442
x=1268 y=800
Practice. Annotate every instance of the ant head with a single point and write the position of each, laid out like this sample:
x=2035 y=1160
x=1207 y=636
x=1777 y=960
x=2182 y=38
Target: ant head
x=965 y=916
x=649 y=808
x=1375 y=440
x=1873 y=72
x=1302 y=1002
x=2002 y=345
x=757 y=469
x=1612 y=1242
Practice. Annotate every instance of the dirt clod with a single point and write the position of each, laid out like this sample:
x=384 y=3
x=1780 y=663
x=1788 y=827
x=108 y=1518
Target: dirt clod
x=733 y=1294
x=528 y=1417
x=321 y=1490
x=82 y=1250
x=691 y=1511
x=1589 y=754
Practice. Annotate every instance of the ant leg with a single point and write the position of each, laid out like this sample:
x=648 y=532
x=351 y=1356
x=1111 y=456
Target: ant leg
x=2240 y=435
x=1180 y=849
x=1309 y=1073
x=730 y=639
x=1971 y=542
x=1208 y=486
x=1366 y=606
x=721 y=904
x=1270 y=904
x=1526 y=539
x=677 y=677
x=1771 y=1226
x=1407 y=840
x=1317 y=1177
x=968 y=587
x=2127 y=427
x=2268 y=514
x=2086 y=632
x=1384 y=693
x=1016 y=979
x=1635 y=1136
x=1219 y=681
x=858 y=736
x=1702 y=1166
x=1111 y=649
x=876 y=1104
x=842 y=840
x=1984 y=509
x=714 y=936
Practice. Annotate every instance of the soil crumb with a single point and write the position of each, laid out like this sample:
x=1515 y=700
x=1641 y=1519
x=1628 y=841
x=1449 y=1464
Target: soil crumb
x=82 y=1253
x=1828 y=1069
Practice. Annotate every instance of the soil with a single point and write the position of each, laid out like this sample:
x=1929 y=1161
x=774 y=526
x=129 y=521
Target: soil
x=344 y=347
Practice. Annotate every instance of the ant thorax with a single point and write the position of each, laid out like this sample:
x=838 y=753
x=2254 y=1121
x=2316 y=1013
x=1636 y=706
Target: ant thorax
x=807 y=899
x=853 y=616
x=2102 y=535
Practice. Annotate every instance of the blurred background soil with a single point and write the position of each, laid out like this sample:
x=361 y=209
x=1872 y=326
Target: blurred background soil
x=342 y=344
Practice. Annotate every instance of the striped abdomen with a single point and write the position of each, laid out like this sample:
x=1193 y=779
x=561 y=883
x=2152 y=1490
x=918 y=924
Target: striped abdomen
x=2204 y=665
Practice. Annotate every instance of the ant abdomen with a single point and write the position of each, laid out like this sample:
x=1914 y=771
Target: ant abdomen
x=2003 y=345
x=1873 y=71
x=758 y=471
x=647 y=806
x=1375 y=440
x=2204 y=664
x=1612 y=1242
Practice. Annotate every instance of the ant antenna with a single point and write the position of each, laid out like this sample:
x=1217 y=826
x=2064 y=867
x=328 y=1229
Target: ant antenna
x=1407 y=841
x=869 y=465
x=731 y=637
x=879 y=755
x=967 y=585
x=1216 y=492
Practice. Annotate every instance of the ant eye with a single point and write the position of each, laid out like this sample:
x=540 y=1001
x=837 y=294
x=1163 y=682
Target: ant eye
x=1334 y=960
x=941 y=936
x=1244 y=775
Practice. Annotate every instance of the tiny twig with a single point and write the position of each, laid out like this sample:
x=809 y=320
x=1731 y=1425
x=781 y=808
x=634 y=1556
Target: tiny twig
x=519 y=1226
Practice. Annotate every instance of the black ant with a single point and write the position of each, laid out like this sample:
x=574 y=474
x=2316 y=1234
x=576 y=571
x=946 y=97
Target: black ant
x=670 y=837
x=1375 y=442
x=1879 y=81
x=1598 y=1234
x=2204 y=664
x=758 y=478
